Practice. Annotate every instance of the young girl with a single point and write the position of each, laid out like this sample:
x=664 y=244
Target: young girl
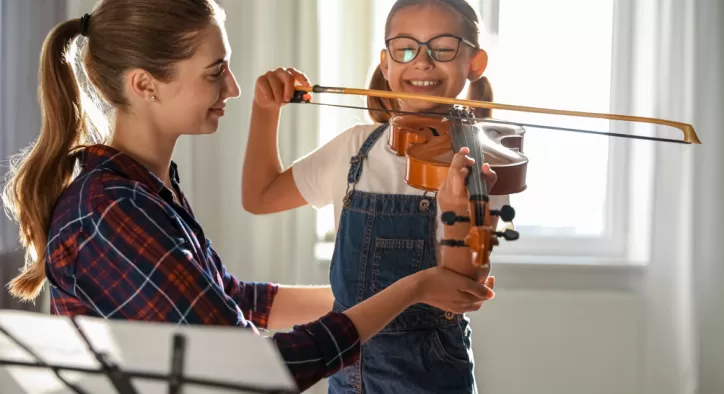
x=107 y=224
x=386 y=229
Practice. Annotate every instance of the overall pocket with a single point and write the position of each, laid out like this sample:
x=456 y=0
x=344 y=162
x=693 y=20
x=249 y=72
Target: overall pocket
x=451 y=343
x=395 y=259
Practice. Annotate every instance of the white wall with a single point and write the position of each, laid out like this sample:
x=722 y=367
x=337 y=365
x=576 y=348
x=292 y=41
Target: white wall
x=538 y=341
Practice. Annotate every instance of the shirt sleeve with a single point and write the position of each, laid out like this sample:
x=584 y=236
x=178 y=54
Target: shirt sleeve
x=318 y=350
x=497 y=202
x=135 y=264
x=254 y=298
x=315 y=174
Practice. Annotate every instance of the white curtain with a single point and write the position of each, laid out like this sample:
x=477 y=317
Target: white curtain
x=263 y=35
x=708 y=187
x=683 y=302
x=23 y=28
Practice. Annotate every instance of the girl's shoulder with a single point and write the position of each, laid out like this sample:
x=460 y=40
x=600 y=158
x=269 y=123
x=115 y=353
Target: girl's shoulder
x=356 y=135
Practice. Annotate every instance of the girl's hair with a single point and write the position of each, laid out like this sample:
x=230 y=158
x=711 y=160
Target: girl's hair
x=121 y=35
x=478 y=90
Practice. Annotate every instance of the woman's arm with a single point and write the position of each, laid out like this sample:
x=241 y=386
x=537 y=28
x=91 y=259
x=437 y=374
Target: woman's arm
x=295 y=305
x=320 y=349
x=134 y=266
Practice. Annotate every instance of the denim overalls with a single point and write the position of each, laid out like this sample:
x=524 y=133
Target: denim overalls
x=382 y=238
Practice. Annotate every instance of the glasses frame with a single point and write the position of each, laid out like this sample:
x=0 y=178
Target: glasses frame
x=426 y=44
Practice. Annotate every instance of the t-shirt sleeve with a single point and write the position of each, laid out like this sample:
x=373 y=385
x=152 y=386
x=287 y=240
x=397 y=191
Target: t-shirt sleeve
x=497 y=202
x=317 y=173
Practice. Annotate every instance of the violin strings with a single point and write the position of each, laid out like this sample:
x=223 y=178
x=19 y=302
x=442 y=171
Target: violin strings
x=476 y=153
x=504 y=122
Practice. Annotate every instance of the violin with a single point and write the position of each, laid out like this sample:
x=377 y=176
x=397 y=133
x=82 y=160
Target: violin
x=429 y=142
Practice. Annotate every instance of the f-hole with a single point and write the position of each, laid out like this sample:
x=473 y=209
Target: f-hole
x=433 y=130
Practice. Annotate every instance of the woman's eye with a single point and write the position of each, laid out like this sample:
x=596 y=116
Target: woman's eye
x=221 y=71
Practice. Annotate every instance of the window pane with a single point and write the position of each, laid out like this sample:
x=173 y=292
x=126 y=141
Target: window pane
x=550 y=54
x=557 y=54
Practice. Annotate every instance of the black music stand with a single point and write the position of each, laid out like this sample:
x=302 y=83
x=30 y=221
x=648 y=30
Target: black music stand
x=86 y=355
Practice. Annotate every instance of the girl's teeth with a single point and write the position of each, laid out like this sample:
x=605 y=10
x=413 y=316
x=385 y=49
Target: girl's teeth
x=424 y=83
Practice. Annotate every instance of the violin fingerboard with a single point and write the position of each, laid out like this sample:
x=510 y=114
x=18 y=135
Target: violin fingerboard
x=463 y=134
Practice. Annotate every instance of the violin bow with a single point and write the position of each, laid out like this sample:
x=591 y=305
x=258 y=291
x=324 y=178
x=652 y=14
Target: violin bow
x=482 y=241
x=689 y=135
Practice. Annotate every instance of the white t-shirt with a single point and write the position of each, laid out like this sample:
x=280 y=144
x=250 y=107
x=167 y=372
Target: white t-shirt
x=321 y=175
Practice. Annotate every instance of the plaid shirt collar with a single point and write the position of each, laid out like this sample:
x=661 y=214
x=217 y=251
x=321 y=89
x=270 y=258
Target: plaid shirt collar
x=106 y=157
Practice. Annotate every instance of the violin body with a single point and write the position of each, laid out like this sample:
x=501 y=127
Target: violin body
x=427 y=144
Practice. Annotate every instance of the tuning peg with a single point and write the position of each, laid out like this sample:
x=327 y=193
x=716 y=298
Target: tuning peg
x=450 y=218
x=506 y=213
x=509 y=235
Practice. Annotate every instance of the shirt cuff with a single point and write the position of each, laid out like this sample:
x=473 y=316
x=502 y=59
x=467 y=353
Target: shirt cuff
x=261 y=297
x=337 y=339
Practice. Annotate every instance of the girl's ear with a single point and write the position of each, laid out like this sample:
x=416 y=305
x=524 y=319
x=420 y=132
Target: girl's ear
x=478 y=65
x=383 y=62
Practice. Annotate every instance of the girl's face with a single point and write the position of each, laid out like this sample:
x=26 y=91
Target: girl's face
x=424 y=74
x=194 y=101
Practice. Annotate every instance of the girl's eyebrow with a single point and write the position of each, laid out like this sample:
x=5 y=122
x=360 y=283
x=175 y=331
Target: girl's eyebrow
x=407 y=35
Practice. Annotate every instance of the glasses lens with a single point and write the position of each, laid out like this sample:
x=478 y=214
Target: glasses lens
x=444 y=49
x=403 y=49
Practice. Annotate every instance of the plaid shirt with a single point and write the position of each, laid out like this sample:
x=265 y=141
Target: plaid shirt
x=120 y=248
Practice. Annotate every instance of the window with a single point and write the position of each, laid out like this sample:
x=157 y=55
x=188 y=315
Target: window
x=552 y=55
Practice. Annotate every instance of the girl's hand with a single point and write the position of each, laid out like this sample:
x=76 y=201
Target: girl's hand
x=276 y=88
x=453 y=193
x=447 y=290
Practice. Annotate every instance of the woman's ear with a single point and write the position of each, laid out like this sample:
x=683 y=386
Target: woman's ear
x=383 y=63
x=141 y=84
x=478 y=65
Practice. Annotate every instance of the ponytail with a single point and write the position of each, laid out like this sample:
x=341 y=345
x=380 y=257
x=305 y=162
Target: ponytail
x=39 y=176
x=378 y=82
x=481 y=90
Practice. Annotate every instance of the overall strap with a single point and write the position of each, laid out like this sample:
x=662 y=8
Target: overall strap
x=355 y=169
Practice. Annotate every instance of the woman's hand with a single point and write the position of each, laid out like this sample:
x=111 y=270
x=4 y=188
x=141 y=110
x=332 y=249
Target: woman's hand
x=451 y=291
x=453 y=196
x=453 y=193
x=438 y=287
x=276 y=88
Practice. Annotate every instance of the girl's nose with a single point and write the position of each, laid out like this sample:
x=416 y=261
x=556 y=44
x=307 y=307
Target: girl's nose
x=423 y=60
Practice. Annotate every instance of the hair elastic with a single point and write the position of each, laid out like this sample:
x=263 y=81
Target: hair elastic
x=84 y=25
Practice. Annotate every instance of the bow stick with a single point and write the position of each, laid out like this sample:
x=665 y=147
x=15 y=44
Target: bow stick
x=690 y=137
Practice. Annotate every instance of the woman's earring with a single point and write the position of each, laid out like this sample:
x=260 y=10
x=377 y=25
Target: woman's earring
x=153 y=98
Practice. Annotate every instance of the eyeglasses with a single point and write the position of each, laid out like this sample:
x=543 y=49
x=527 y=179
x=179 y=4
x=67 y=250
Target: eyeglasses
x=442 y=48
